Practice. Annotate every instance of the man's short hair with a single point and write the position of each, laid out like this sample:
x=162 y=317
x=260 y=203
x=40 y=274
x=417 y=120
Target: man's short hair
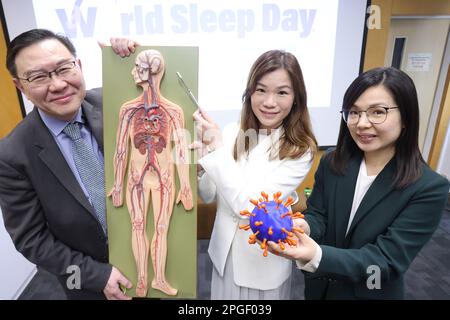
x=29 y=38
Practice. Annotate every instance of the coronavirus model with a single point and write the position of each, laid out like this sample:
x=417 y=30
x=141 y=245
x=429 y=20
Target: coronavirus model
x=271 y=221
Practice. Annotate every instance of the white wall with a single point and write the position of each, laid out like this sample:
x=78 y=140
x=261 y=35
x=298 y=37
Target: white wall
x=425 y=37
x=438 y=97
x=15 y=271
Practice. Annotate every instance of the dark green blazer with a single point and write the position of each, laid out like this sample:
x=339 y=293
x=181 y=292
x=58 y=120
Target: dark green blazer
x=389 y=229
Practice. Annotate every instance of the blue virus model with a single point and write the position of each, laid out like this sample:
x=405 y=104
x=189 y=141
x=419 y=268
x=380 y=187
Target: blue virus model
x=271 y=221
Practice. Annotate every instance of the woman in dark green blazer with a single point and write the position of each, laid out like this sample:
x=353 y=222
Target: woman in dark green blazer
x=375 y=201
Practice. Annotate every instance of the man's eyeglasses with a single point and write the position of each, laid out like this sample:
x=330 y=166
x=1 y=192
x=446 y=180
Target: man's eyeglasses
x=375 y=114
x=42 y=78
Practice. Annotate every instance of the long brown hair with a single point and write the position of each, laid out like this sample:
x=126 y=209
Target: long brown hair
x=297 y=137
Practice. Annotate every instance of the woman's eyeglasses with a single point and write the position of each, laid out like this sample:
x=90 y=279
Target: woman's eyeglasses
x=375 y=114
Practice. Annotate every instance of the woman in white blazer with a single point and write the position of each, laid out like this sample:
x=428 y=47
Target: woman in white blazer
x=270 y=150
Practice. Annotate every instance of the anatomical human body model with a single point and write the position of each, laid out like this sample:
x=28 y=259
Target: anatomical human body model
x=150 y=122
x=271 y=221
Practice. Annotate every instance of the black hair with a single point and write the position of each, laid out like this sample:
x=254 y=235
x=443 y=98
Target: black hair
x=407 y=153
x=28 y=38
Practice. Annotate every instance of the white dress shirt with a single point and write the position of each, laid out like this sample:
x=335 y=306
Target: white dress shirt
x=232 y=183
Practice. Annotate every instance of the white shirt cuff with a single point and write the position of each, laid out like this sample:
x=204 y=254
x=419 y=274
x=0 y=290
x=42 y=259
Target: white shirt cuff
x=312 y=265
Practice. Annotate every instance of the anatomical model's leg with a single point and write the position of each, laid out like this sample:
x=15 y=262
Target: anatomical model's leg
x=137 y=201
x=162 y=200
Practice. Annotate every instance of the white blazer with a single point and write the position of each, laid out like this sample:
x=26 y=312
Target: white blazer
x=232 y=184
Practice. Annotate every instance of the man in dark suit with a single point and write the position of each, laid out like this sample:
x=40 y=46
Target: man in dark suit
x=48 y=206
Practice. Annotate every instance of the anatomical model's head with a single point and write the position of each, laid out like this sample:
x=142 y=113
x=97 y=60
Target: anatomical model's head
x=149 y=63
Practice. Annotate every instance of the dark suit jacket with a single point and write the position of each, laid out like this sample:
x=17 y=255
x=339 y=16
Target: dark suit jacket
x=50 y=220
x=388 y=230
